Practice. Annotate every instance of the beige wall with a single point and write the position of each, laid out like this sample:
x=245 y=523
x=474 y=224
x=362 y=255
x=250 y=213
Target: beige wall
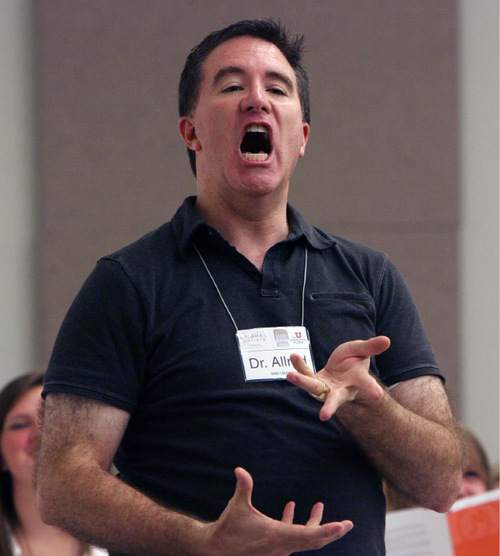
x=479 y=232
x=18 y=324
x=381 y=166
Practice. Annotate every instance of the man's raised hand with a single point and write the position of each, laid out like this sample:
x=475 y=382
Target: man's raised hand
x=344 y=378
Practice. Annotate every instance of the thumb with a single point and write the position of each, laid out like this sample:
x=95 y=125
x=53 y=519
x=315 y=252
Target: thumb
x=377 y=345
x=244 y=486
x=358 y=348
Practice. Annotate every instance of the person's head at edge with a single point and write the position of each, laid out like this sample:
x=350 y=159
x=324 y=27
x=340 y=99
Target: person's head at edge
x=266 y=30
x=476 y=474
x=10 y=396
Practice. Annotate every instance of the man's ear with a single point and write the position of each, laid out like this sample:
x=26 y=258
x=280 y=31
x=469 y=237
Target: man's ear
x=305 y=136
x=188 y=133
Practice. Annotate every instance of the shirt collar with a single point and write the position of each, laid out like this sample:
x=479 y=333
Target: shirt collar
x=300 y=227
x=186 y=223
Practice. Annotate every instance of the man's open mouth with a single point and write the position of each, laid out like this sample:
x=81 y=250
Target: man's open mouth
x=256 y=144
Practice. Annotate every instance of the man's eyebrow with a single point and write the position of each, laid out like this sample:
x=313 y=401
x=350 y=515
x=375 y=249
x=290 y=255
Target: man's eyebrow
x=281 y=77
x=225 y=71
x=238 y=70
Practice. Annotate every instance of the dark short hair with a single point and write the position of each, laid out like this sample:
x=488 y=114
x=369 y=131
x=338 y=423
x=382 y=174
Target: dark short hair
x=268 y=30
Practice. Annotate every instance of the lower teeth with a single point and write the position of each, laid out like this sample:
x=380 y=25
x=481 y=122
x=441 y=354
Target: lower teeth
x=256 y=156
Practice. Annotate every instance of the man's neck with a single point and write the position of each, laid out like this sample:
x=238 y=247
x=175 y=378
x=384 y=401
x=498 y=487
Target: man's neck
x=252 y=230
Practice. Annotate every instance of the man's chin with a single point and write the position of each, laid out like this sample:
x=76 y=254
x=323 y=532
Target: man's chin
x=260 y=181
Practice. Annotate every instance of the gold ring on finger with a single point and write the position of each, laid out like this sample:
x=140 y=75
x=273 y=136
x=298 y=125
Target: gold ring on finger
x=322 y=395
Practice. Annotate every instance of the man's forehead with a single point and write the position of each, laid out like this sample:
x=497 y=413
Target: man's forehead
x=241 y=52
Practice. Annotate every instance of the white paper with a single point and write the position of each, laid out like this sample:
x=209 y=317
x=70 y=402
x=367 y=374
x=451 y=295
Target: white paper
x=417 y=532
x=475 y=500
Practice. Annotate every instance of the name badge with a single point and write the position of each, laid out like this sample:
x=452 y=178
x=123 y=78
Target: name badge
x=265 y=352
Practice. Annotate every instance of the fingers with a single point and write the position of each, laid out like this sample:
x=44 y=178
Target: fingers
x=322 y=391
x=370 y=386
x=349 y=363
x=306 y=378
x=313 y=534
x=316 y=514
x=332 y=397
x=332 y=403
x=242 y=530
x=336 y=530
x=288 y=513
x=344 y=378
x=300 y=365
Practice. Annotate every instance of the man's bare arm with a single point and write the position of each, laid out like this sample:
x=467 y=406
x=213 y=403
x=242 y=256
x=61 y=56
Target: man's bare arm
x=410 y=436
x=408 y=433
x=74 y=489
x=75 y=492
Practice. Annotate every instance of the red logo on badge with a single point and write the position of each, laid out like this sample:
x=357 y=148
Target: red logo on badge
x=298 y=334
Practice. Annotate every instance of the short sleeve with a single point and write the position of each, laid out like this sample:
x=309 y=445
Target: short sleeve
x=99 y=351
x=410 y=354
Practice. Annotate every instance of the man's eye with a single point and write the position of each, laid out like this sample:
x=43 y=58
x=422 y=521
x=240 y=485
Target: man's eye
x=231 y=88
x=277 y=91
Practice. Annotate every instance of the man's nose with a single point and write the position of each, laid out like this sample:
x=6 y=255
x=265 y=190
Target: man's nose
x=255 y=100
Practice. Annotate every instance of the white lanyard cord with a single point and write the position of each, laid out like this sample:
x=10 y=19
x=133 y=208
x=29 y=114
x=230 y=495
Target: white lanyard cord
x=216 y=287
x=304 y=286
x=224 y=303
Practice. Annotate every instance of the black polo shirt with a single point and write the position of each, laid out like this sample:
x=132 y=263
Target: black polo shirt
x=149 y=333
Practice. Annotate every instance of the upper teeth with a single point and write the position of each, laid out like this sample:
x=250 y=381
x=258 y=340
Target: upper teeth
x=256 y=128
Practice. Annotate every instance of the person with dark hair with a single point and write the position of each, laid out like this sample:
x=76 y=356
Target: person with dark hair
x=189 y=357
x=476 y=474
x=22 y=532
